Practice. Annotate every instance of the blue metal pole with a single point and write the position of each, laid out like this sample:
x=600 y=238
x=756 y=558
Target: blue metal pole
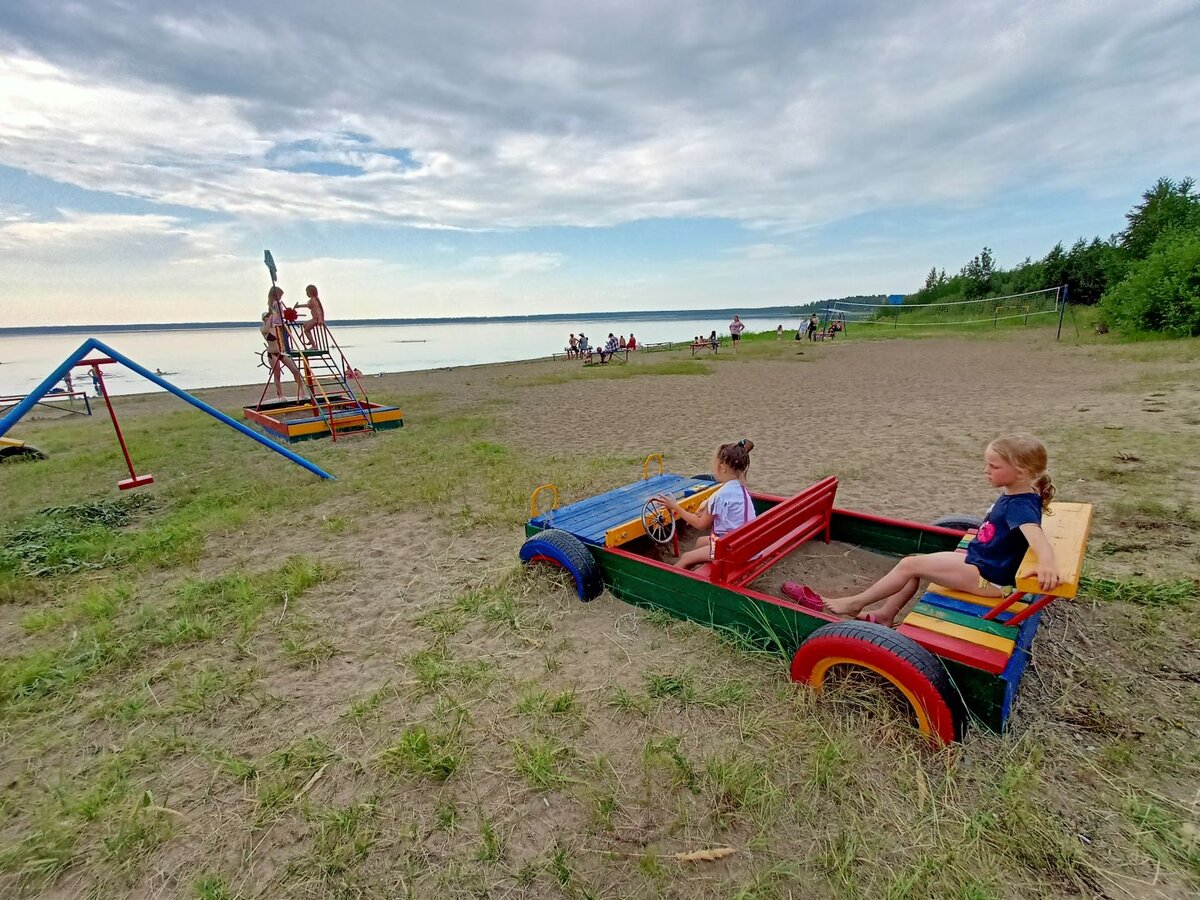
x=43 y=389
x=93 y=344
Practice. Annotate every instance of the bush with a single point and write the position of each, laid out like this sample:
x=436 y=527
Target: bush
x=1161 y=292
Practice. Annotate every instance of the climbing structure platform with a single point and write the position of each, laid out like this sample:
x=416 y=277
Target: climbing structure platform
x=330 y=398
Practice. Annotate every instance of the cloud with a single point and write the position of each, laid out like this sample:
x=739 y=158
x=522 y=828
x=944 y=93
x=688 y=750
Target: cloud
x=511 y=264
x=465 y=116
x=761 y=251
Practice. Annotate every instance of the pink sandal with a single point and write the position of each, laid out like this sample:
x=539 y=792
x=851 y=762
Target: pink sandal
x=804 y=595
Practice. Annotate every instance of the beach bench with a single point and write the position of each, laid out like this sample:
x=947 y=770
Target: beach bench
x=661 y=345
x=745 y=553
x=991 y=633
x=700 y=346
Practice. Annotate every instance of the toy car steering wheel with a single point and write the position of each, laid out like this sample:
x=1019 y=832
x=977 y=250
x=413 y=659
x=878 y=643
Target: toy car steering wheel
x=658 y=521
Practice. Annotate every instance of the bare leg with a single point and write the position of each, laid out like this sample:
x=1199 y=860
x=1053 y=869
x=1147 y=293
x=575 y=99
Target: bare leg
x=886 y=614
x=697 y=555
x=948 y=568
x=275 y=367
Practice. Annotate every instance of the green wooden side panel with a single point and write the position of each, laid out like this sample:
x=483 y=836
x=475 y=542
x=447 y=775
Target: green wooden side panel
x=886 y=537
x=982 y=694
x=765 y=624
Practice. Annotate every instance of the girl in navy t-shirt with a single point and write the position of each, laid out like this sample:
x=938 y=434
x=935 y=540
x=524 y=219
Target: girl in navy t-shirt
x=729 y=508
x=1015 y=463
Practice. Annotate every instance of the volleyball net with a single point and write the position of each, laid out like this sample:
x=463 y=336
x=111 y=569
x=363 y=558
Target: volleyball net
x=1031 y=307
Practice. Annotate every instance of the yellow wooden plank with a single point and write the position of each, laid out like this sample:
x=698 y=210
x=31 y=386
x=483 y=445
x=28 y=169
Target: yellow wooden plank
x=952 y=629
x=633 y=529
x=987 y=602
x=1067 y=526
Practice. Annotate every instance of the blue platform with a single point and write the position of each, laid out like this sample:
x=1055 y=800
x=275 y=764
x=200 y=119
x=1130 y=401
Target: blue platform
x=590 y=519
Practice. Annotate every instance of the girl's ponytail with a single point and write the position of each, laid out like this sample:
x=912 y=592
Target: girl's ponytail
x=1045 y=488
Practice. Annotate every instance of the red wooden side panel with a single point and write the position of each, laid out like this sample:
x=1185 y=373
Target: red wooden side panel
x=773 y=529
x=958 y=650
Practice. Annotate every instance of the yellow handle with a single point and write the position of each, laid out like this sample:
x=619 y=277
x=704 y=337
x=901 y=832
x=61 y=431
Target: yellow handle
x=533 y=507
x=646 y=465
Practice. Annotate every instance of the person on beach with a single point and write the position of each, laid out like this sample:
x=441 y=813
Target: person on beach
x=572 y=347
x=713 y=340
x=729 y=508
x=316 y=312
x=814 y=326
x=610 y=347
x=632 y=343
x=276 y=357
x=69 y=382
x=779 y=332
x=736 y=327
x=1015 y=463
x=96 y=382
x=622 y=343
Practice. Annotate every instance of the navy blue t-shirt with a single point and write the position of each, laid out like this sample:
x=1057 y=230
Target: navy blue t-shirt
x=1000 y=546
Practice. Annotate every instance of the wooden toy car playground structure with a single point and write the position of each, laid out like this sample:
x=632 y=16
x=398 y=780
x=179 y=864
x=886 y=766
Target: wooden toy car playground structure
x=956 y=657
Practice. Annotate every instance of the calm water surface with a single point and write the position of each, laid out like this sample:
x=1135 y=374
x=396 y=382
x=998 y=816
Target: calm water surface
x=199 y=359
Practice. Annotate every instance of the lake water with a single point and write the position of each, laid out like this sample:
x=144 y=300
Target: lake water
x=227 y=356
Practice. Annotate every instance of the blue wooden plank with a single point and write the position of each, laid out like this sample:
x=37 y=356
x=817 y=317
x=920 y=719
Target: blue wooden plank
x=1017 y=662
x=585 y=509
x=589 y=519
x=970 y=609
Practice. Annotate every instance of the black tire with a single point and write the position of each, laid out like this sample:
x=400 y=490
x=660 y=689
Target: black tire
x=563 y=549
x=959 y=522
x=25 y=451
x=705 y=476
x=899 y=659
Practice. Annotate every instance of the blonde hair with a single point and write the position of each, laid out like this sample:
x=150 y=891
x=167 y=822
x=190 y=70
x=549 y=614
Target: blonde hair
x=1025 y=452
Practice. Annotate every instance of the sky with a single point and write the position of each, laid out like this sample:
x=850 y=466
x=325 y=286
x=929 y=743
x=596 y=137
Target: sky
x=482 y=157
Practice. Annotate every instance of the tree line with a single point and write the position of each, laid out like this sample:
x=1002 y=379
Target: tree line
x=1144 y=278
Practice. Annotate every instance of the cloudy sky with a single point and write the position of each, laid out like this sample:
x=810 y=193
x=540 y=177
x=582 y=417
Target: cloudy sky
x=492 y=157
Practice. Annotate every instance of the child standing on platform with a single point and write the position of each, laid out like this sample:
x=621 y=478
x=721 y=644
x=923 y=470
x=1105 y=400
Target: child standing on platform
x=1015 y=463
x=729 y=508
x=315 y=310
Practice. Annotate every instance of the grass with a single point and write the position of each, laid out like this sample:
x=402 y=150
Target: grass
x=636 y=368
x=195 y=702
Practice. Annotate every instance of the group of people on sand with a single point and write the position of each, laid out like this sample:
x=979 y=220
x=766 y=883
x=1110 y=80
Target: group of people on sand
x=736 y=327
x=580 y=347
x=1014 y=463
x=276 y=336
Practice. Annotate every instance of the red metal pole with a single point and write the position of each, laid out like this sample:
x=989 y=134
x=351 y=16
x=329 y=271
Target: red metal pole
x=134 y=479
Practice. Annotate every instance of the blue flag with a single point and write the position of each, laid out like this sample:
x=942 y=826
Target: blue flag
x=270 y=261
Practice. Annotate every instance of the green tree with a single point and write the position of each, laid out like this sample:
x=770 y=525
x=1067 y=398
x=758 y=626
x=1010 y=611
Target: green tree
x=1162 y=291
x=1165 y=206
x=979 y=273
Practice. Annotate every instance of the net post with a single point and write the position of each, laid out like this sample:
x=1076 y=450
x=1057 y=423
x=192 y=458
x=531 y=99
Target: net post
x=1062 y=310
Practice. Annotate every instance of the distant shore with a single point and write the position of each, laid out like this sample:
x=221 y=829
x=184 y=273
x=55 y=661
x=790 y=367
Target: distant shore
x=614 y=315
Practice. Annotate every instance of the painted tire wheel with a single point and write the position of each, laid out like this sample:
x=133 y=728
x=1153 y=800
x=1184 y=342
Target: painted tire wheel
x=959 y=523
x=908 y=666
x=21 y=451
x=558 y=548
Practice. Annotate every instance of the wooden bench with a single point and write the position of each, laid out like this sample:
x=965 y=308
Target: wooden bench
x=985 y=632
x=661 y=345
x=705 y=345
x=745 y=553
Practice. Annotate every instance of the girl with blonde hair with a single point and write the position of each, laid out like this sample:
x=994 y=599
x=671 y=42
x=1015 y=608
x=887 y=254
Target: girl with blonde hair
x=1015 y=463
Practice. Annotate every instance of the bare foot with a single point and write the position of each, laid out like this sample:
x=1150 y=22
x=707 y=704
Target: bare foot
x=875 y=618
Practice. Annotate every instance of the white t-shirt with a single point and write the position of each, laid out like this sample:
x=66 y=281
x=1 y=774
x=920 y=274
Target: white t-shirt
x=731 y=507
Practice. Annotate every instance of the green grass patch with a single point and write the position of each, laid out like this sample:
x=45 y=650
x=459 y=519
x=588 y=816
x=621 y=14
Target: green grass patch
x=432 y=754
x=1178 y=592
x=618 y=370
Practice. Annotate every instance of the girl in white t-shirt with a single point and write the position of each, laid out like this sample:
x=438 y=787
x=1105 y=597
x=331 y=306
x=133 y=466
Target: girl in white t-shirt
x=727 y=509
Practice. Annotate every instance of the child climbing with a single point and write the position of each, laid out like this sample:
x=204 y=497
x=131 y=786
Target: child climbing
x=316 y=312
